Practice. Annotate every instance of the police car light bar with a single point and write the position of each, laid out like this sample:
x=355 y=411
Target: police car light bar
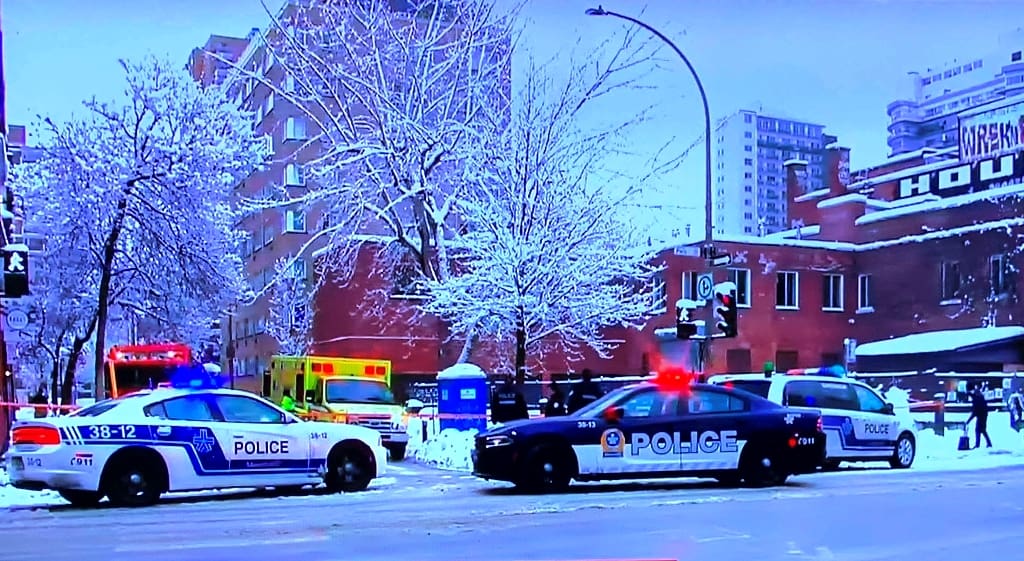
x=195 y=377
x=836 y=371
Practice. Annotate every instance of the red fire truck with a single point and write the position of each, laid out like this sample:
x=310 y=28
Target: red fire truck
x=131 y=368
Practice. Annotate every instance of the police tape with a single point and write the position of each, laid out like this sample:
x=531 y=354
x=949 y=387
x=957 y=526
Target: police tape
x=48 y=406
x=458 y=416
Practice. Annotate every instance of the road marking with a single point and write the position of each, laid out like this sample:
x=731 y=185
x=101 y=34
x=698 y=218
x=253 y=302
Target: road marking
x=219 y=544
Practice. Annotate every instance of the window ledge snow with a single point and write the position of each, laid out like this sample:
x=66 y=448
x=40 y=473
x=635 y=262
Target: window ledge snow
x=866 y=310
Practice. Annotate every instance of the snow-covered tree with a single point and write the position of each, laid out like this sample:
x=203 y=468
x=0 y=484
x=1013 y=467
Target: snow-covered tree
x=137 y=193
x=291 y=317
x=547 y=255
x=389 y=97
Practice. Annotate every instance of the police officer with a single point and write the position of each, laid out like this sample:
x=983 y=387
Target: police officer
x=584 y=393
x=556 y=402
x=508 y=403
x=287 y=403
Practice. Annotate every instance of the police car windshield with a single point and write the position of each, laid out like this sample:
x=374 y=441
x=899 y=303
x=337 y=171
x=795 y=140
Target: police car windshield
x=358 y=391
x=99 y=408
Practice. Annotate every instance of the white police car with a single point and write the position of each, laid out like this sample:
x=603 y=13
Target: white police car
x=860 y=426
x=135 y=448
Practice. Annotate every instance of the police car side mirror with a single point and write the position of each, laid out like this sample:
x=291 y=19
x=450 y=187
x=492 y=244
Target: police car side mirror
x=889 y=409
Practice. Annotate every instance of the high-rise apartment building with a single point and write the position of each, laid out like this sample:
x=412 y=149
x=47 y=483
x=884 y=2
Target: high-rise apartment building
x=750 y=182
x=211 y=63
x=928 y=118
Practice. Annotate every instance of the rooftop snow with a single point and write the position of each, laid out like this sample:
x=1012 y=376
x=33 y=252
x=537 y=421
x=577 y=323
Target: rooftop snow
x=841 y=199
x=812 y=230
x=794 y=162
x=938 y=203
x=900 y=174
x=939 y=341
x=811 y=195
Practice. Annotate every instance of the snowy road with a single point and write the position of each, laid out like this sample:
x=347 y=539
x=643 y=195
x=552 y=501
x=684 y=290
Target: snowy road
x=426 y=515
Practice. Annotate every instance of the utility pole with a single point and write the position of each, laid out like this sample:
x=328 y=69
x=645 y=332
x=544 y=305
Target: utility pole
x=708 y=251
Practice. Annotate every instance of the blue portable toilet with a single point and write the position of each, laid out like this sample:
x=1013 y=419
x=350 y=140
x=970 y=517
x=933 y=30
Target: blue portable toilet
x=462 y=397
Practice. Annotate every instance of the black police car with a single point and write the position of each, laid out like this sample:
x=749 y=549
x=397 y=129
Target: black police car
x=654 y=429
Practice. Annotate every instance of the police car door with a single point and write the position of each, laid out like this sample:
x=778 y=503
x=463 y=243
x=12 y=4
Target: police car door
x=642 y=440
x=875 y=425
x=262 y=445
x=712 y=435
x=196 y=453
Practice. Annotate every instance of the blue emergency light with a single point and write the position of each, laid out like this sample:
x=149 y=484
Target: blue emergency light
x=195 y=377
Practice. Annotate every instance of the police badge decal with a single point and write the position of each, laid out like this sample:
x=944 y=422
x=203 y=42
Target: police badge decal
x=613 y=443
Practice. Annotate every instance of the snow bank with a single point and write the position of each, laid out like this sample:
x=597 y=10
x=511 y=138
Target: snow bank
x=450 y=449
x=940 y=452
x=10 y=497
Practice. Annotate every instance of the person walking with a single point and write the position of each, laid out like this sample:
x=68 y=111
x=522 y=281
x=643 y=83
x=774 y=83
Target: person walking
x=979 y=413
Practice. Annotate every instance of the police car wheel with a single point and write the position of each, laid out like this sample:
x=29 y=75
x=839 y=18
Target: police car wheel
x=759 y=468
x=545 y=469
x=349 y=469
x=81 y=498
x=134 y=477
x=906 y=450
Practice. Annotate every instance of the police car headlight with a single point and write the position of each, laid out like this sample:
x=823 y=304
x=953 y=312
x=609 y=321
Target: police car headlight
x=497 y=440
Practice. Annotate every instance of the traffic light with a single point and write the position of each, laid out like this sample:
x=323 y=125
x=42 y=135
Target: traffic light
x=685 y=326
x=727 y=316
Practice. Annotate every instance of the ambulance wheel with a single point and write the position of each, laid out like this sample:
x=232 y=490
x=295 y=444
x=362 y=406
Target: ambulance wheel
x=350 y=468
x=903 y=454
x=759 y=468
x=134 y=477
x=80 y=498
x=396 y=452
x=546 y=468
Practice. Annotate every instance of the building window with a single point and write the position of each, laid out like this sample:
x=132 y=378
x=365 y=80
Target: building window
x=741 y=278
x=293 y=176
x=748 y=188
x=748 y=175
x=950 y=279
x=289 y=84
x=748 y=134
x=747 y=118
x=832 y=293
x=748 y=148
x=268 y=103
x=295 y=221
x=748 y=161
x=787 y=290
x=690 y=286
x=748 y=215
x=864 y=292
x=997 y=275
x=295 y=128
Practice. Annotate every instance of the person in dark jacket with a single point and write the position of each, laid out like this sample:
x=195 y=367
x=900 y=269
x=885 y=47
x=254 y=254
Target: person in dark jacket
x=583 y=393
x=508 y=403
x=556 y=402
x=979 y=411
x=39 y=398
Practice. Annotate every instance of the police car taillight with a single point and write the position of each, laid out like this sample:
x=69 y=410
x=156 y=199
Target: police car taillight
x=41 y=436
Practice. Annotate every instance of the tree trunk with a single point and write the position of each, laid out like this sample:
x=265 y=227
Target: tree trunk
x=520 y=356
x=54 y=378
x=102 y=307
x=467 y=347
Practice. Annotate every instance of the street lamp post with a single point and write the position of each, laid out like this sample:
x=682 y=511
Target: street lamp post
x=599 y=11
x=707 y=250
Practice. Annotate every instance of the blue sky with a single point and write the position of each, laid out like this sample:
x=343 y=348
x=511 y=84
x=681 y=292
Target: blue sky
x=836 y=62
